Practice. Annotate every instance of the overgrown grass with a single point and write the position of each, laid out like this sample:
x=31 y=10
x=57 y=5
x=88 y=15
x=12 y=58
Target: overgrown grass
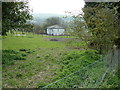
x=79 y=59
x=10 y=56
x=73 y=61
x=31 y=61
x=89 y=77
x=76 y=44
x=38 y=69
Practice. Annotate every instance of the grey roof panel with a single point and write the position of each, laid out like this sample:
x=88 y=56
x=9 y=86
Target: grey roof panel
x=55 y=26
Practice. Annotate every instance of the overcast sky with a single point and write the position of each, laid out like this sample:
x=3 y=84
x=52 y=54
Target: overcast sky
x=56 y=6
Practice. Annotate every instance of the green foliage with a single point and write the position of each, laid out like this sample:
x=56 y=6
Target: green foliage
x=77 y=72
x=14 y=16
x=73 y=61
x=42 y=84
x=49 y=61
x=38 y=29
x=41 y=60
x=9 y=56
x=98 y=26
x=77 y=27
x=111 y=80
x=76 y=44
x=102 y=21
x=29 y=41
x=52 y=21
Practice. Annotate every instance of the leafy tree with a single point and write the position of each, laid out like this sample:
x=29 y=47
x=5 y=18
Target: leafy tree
x=52 y=21
x=101 y=26
x=27 y=28
x=102 y=21
x=0 y=18
x=77 y=27
x=38 y=29
x=14 y=15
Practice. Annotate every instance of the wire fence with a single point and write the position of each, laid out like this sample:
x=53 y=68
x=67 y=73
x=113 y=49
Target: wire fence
x=91 y=76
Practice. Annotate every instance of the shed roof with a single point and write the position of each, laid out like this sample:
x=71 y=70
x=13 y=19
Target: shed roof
x=55 y=26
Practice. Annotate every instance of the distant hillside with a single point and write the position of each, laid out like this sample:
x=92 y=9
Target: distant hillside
x=39 y=18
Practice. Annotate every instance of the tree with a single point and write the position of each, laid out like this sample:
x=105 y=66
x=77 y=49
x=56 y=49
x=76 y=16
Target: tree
x=102 y=21
x=101 y=25
x=27 y=28
x=0 y=18
x=14 y=15
x=52 y=21
x=77 y=27
x=38 y=29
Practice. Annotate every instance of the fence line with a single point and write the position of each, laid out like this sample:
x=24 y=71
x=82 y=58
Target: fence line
x=103 y=76
x=71 y=74
x=105 y=66
x=113 y=59
x=108 y=78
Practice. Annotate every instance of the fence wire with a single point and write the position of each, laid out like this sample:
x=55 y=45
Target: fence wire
x=91 y=76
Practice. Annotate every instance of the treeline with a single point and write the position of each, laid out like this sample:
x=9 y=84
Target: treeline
x=42 y=28
x=16 y=17
x=99 y=27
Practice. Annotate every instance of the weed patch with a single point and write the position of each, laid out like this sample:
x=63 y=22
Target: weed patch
x=74 y=61
x=10 y=56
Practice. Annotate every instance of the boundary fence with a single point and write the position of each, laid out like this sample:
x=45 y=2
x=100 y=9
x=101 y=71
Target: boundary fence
x=94 y=75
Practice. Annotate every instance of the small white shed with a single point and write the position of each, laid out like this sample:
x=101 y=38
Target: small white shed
x=55 y=30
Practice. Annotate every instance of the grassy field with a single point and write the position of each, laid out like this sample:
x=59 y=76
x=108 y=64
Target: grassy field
x=33 y=61
x=28 y=42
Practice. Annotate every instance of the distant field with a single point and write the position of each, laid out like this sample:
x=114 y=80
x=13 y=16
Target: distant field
x=30 y=41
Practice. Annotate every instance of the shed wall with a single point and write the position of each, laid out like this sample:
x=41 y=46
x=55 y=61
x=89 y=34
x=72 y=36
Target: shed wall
x=55 y=31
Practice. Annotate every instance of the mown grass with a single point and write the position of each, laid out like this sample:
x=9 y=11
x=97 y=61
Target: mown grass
x=29 y=41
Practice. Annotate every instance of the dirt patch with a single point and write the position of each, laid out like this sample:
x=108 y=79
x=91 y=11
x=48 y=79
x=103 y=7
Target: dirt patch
x=53 y=39
x=58 y=39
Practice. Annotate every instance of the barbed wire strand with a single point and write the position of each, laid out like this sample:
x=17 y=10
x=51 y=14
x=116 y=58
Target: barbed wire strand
x=110 y=74
x=111 y=64
x=71 y=74
x=108 y=78
x=103 y=76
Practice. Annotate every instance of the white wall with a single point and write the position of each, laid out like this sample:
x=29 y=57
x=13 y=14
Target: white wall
x=49 y=31
x=55 y=31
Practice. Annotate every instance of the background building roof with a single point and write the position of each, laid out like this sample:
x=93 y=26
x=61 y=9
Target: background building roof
x=55 y=26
